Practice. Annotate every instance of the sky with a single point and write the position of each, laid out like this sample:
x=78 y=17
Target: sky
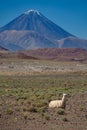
x=71 y=15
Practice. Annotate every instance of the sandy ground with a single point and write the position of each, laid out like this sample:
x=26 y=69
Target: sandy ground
x=28 y=67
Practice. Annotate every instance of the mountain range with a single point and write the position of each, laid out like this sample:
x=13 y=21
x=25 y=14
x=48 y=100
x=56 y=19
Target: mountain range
x=32 y=30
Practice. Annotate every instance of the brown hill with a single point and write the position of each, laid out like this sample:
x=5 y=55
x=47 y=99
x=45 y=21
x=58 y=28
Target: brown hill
x=7 y=55
x=65 y=54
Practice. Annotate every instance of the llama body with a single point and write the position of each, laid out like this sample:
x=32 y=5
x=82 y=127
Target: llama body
x=58 y=103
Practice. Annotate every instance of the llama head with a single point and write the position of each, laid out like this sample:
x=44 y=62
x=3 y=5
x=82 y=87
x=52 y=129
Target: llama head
x=64 y=94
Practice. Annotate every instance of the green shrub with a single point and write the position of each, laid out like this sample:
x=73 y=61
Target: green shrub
x=81 y=108
x=25 y=114
x=60 y=111
x=46 y=117
x=42 y=110
x=15 y=119
x=9 y=111
x=32 y=109
x=65 y=119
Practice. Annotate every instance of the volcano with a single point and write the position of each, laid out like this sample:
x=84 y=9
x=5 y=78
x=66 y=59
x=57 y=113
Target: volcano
x=32 y=30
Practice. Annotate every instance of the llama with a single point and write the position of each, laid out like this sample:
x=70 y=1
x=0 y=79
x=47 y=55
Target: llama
x=58 y=103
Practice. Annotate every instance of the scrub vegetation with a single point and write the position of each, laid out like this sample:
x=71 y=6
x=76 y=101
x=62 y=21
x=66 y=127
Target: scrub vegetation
x=24 y=100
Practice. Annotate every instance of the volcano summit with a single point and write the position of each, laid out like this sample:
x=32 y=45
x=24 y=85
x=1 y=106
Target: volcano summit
x=32 y=30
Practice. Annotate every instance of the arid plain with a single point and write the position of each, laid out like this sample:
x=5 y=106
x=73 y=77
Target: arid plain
x=27 y=86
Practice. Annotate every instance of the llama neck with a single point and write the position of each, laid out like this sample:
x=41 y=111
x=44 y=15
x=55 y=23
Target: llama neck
x=64 y=101
x=63 y=98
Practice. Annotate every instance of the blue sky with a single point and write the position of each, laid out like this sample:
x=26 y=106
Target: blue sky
x=71 y=15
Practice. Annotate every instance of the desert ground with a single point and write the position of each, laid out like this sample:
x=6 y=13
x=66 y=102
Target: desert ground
x=18 y=67
x=27 y=86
